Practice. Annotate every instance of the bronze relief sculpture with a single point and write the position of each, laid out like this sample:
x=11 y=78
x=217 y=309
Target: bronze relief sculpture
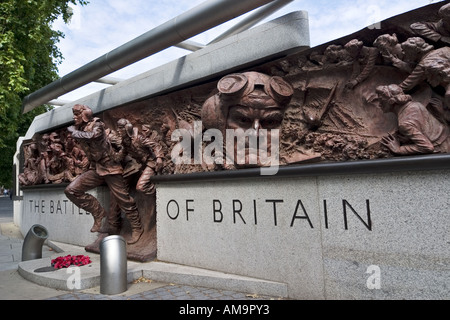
x=249 y=100
x=104 y=168
x=421 y=131
x=377 y=94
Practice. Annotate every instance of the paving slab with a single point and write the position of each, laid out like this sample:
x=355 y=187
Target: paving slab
x=39 y=271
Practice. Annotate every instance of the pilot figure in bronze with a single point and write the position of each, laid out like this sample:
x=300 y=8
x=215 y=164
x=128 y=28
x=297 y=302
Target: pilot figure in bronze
x=91 y=134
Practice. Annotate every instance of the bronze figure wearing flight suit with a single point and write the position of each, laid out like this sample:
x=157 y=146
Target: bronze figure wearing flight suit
x=90 y=132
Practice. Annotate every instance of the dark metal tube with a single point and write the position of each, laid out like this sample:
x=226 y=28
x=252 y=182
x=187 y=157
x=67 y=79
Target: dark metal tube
x=33 y=242
x=197 y=20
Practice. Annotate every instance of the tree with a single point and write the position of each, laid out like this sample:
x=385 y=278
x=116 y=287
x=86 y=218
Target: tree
x=29 y=57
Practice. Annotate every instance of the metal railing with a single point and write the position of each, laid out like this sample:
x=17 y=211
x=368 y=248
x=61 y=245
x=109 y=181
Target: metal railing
x=175 y=32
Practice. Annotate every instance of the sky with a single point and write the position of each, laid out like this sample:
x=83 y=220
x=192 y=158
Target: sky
x=103 y=25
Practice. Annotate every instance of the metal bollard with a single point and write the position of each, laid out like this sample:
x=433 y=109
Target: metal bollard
x=33 y=242
x=113 y=265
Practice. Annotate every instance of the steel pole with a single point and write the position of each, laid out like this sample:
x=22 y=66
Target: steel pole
x=197 y=20
x=253 y=19
x=113 y=265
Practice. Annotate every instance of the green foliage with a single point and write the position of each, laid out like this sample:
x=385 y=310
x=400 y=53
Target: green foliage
x=29 y=57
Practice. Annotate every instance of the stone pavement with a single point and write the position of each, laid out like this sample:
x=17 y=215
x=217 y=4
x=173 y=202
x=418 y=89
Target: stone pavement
x=165 y=292
x=13 y=286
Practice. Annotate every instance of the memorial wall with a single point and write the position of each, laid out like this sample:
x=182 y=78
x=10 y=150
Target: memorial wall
x=324 y=169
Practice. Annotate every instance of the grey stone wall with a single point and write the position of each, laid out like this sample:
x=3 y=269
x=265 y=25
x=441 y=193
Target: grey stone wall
x=362 y=236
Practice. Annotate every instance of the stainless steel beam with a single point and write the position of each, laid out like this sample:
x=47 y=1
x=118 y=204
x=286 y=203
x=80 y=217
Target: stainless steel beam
x=58 y=102
x=252 y=19
x=197 y=20
x=108 y=80
x=190 y=45
x=104 y=80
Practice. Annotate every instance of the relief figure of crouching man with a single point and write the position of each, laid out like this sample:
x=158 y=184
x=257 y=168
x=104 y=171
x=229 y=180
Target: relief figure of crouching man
x=145 y=149
x=91 y=134
x=420 y=131
x=147 y=154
